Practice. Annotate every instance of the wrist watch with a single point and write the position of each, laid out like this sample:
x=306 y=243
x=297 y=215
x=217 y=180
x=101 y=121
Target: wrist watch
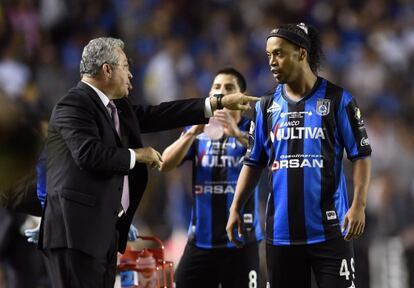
x=219 y=104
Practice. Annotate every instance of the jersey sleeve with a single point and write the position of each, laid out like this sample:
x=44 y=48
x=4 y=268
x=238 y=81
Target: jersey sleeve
x=351 y=128
x=256 y=153
x=41 y=178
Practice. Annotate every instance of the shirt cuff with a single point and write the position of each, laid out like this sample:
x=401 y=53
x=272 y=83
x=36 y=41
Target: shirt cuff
x=207 y=108
x=132 y=162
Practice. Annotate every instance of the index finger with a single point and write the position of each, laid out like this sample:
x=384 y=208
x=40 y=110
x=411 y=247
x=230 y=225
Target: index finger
x=250 y=98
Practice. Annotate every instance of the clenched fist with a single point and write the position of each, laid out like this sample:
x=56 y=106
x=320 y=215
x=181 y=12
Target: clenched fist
x=149 y=156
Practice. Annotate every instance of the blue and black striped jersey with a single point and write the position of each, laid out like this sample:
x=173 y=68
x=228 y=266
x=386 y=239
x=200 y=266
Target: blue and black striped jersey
x=41 y=177
x=302 y=145
x=216 y=168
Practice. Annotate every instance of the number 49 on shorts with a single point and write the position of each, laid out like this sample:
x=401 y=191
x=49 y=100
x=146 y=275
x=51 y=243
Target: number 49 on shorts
x=349 y=274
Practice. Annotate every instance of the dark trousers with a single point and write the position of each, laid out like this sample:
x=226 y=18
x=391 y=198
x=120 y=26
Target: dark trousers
x=71 y=268
x=332 y=263
x=206 y=268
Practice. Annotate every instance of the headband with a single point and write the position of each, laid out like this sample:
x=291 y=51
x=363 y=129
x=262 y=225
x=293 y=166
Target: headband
x=291 y=37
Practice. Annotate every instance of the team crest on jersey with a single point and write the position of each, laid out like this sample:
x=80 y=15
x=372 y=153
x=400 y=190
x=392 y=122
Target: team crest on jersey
x=323 y=106
x=274 y=108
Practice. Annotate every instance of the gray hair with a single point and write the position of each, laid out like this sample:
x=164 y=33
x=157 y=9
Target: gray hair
x=98 y=52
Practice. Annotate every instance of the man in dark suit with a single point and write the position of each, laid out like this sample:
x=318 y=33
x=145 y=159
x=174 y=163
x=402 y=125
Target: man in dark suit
x=96 y=171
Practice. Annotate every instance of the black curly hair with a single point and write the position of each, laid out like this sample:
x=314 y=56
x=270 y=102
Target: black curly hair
x=239 y=77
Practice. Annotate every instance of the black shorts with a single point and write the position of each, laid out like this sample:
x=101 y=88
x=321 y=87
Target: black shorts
x=206 y=268
x=332 y=263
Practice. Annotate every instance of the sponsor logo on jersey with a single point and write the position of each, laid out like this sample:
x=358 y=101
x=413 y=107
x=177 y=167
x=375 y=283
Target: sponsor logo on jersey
x=296 y=115
x=214 y=189
x=274 y=108
x=358 y=116
x=220 y=161
x=364 y=141
x=323 y=107
x=252 y=126
x=297 y=133
x=251 y=138
x=248 y=218
x=217 y=147
x=331 y=215
x=290 y=123
x=248 y=221
x=296 y=163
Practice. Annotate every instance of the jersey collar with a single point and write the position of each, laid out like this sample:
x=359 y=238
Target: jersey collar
x=290 y=101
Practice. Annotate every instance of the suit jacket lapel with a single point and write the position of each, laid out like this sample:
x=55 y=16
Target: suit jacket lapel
x=91 y=93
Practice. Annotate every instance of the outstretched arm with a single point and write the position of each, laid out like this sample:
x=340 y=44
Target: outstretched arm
x=234 y=101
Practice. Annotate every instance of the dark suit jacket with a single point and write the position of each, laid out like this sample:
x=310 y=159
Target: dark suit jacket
x=21 y=197
x=87 y=162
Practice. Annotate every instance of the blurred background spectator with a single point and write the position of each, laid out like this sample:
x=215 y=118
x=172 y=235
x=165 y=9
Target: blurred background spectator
x=177 y=45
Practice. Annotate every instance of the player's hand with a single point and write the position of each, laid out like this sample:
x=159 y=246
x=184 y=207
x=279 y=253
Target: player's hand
x=149 y=156
x=235 y=221
x=228 y=122
x=132 y=233
x=354 y=222
x=32 y=235
x=196 y=130
x=238 y=101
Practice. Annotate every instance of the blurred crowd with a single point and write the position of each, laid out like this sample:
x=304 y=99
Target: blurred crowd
x=176 y=46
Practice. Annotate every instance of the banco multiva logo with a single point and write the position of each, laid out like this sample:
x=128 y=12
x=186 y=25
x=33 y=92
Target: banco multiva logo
x=286 y=133
x=220 y=161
